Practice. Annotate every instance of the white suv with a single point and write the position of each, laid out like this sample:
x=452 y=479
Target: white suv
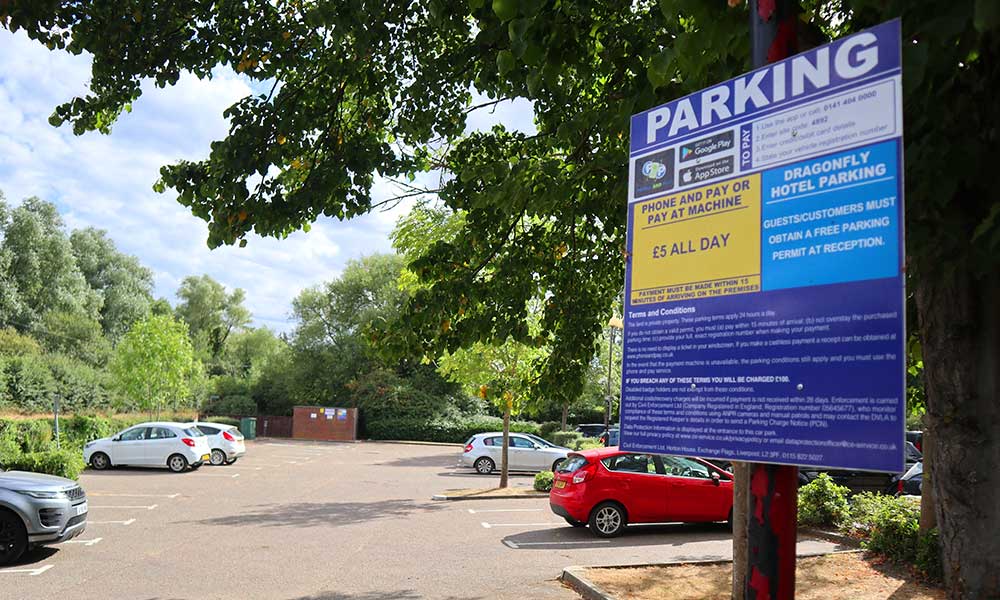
x=176 y=446
x=226 y=442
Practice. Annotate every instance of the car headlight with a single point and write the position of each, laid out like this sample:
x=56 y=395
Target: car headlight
x=43 y=495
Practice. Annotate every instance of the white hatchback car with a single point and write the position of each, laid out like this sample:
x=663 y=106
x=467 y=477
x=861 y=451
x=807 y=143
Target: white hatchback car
x=176 y=446
x=226 y=442
x=525 y=452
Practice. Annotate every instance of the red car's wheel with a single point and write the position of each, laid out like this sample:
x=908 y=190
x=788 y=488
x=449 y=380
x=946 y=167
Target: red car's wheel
x=608 y=520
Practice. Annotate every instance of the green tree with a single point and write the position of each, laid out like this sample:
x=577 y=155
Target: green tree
x=125 y=286
x=40 y=265
x=211 y=313
x=354 y=84
x=75 y=336
x=500 y=373
x=153 y=364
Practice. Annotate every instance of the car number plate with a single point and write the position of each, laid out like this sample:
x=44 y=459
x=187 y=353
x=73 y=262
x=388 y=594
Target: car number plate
x=81 y=509
x=205 y=457
x=560 y=484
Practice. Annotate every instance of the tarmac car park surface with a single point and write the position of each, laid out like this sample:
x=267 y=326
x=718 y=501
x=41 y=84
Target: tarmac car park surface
x=318 y=521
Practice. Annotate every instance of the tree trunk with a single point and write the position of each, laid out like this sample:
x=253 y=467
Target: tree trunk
x=506 y=446
x=928 y=519
x=960 y=328
x=741 y=485
x=565 y=416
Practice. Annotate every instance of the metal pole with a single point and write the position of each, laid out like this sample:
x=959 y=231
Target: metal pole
x=607 y=394
x=56 y=413
x=772 y=490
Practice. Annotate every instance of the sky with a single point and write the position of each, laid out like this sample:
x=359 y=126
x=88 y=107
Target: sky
x=105 y=181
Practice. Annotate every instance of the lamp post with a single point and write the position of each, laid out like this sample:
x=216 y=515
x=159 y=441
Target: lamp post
x=613 y=324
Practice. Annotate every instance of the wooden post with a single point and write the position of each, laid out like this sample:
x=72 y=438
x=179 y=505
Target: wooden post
x=772 y=501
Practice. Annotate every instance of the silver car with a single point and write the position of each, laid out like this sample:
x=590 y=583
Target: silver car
x=38 y=510
x=525 y=452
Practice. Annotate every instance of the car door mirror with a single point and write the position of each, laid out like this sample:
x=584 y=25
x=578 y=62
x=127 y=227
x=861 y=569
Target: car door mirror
x=117 y=438
x=715 y=478
x=537 y=446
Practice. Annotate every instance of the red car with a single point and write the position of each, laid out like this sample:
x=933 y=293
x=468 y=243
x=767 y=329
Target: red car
x=609 y=489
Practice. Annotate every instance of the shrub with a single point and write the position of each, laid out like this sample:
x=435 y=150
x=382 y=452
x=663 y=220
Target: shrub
x=10 y=452
x=543 y=481
x=823 y=502
x=547 y=428
x=894 y=529
x=223 y=421
x=929 y=555
x=587 y=444
x=62 y=463
x=36 y=435
x=235 y=404
x=455 y=430
x=567 y=439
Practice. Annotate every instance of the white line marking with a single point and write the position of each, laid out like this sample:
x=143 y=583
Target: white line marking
x=37 y=571
x=510 y=544
x=84 y=542
x=126 y=523
x=473 y=511
x=103 y=494
x=488 y=525
x=563 y=543
x=150 y=507
x=233 y=476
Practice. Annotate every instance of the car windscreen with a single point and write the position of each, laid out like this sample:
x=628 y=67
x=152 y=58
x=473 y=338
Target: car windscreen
x=542 y=441
x=193 y=432
x=571 y=464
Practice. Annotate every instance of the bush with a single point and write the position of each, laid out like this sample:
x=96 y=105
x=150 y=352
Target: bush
x=223 y=421
x=455 y=430
x=62 y=463
x=567 y=439
x=236 y=404
x=587 y=444
x=547 y=428
x=36 y=435
x=892 y=528
x=543 y=481
x=823 y=502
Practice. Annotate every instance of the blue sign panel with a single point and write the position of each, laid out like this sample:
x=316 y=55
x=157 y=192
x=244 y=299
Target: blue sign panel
x=764 y=309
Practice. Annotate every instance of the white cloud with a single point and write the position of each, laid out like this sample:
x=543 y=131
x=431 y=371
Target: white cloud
x=106 y=181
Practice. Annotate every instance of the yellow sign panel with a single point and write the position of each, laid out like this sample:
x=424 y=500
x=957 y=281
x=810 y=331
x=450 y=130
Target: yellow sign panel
x=697 y=243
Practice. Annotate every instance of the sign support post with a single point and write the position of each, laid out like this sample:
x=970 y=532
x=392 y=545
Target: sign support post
x=770 y=492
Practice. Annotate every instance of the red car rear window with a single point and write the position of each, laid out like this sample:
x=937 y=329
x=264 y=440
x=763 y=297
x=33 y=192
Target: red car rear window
x=571 y=464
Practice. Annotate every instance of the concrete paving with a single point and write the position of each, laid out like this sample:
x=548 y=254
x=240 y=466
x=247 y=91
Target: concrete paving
x=315 y=521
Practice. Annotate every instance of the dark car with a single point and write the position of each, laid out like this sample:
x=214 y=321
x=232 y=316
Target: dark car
x=868 y=481
x=916 y=438
x=911 y=482
x=590 y=430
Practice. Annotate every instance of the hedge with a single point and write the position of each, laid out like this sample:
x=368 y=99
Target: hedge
x=62 y=463
x=823 y=502
x=37 y=435
x=443 y=430
x=543 y=481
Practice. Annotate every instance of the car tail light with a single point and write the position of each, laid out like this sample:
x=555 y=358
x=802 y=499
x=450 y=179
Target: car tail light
x=581 y=475
x=899 y=487
x=468 y=447
x=188 y=441
x=228 y=436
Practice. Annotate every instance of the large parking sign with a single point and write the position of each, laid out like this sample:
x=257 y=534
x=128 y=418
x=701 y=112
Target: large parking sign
x=764 y=316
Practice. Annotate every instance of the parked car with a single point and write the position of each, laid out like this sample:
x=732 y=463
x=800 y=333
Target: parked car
x=869 y=481
x=911 y=482
x=38 y=510
x=176 y=446
x=609 y=489
x=590 y=430
x=610 y=437
x=916 y=438
x=226 y=442
x=524 y=453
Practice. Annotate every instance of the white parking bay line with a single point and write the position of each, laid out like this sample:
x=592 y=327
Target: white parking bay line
x=85 y=542
x=108 y=495
x=473 y=511
x=37 y=571
x=490 y=525
x=519 y=544
x=128 y=522
x=150 y=507
x=233 y=476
